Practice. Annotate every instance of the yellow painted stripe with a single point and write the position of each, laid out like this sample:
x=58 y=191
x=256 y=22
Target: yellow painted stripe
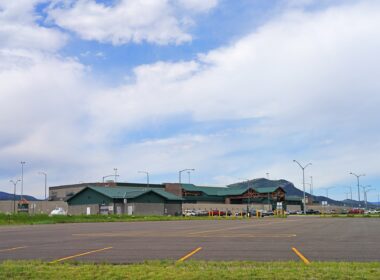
x=79 y=255
x=189 y=254
x=302 y=257
x=12 y=249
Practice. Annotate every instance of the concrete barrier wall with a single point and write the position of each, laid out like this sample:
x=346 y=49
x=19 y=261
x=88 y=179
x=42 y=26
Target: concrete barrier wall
x=36 y=207
x=173 y=209
x=82 y=209
x=148 y=208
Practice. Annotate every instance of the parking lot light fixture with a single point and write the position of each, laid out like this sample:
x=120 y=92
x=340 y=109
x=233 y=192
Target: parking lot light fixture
x=303 y=182
x=147 y=177
x=45 y=175
x=22 y=178
x=14 y=193
x=358 y=177
x=183 y=170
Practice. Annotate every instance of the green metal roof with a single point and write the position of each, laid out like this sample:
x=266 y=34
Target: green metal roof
x=205 y=190
x=127 y=192
x=229 y=191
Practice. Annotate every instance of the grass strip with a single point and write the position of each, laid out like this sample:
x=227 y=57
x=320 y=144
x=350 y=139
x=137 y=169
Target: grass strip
x=190 y=270
x=25 y=219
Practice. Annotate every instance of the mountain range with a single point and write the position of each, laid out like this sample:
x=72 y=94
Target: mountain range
x=9 y=196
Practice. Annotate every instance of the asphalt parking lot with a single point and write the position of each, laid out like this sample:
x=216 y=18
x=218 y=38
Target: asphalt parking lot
x=267 y=239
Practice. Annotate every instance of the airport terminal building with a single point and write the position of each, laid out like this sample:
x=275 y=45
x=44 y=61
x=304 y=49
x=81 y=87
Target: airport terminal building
x=167 y=198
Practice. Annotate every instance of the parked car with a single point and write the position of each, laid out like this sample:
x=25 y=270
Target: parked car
x=356 y=211
x=312 y=212
x=58 y=211
x=267 y=213
x=188 y=213
x=217 y=213
x=201 y=213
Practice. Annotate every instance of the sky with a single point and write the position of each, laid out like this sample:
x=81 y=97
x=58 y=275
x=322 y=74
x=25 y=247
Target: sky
x=233 y=89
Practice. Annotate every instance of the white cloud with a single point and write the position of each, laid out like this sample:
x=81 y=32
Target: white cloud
x=19 y=30
x=154 y=21
x=310 y=80
x=198 y=5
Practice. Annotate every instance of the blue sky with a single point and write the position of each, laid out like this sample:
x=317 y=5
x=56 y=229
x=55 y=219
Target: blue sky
x=234 y=89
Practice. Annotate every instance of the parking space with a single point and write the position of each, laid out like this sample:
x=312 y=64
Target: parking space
x=267 y=239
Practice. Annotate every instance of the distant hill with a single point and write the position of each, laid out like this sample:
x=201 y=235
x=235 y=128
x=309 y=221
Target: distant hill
x=291 y=190
x=9 y=196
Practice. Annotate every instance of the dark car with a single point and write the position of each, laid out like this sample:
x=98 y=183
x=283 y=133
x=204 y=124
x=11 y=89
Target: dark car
x=312 y=212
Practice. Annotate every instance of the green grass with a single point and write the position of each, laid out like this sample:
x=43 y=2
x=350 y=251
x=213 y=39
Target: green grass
x=190 y=270
x=25 y=219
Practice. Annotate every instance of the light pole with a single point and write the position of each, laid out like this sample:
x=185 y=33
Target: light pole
x=22 y=178
x=357 y=177
x=365 y=195
x=112 y=175
x=45 y=174
x=183 y=170
x=115 y=169
x=14 y=194
x=327 y=191
x=350 y=191
x=303 y=182
x=267 y=175
x=311 y=186
x=188 y=174
x=147 y=177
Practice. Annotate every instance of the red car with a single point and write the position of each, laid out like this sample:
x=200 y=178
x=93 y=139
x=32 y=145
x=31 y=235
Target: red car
x=356 y=211
x=217 y=213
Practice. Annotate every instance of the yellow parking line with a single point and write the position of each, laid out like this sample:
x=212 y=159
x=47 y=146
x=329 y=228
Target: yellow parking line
x=12 y=249
x=302 y=257
x=78 y=255
x=189 y=254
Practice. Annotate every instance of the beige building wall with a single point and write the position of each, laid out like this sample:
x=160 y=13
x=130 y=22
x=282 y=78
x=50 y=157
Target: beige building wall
x=35 y=207
x=82 y=209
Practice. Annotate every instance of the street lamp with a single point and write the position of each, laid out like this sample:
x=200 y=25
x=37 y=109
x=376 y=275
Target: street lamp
x=112 y=175
x=188 y=174
x=365 y=190
x=365 y=195
x=22 y=178
x=115 y=169
x=350 y=191
x=147 y=177
x=303 y=183
x=14 y=193
x=327 y=191
x=267 y=175
x=357 y=177
x=183 y=170
x=311 y=186
x=43 y=173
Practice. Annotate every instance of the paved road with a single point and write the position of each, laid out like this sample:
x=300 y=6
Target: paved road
x=322 y=239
